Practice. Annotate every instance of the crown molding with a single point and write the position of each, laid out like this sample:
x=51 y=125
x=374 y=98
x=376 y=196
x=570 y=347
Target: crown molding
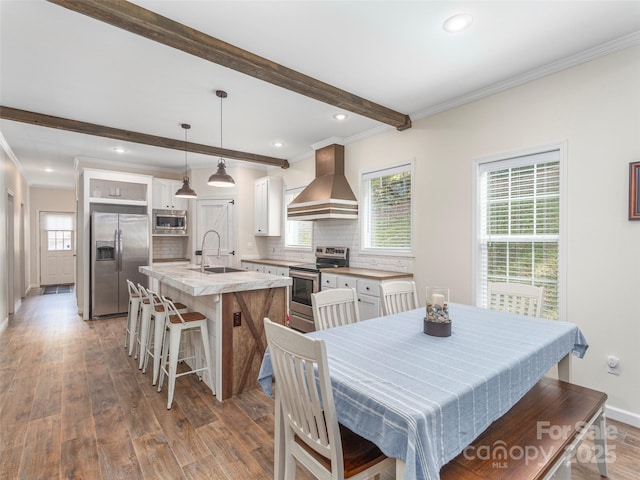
x=585 y=56
x=7 y=149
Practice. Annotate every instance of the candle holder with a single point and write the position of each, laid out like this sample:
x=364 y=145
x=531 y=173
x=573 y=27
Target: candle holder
x=437 y=322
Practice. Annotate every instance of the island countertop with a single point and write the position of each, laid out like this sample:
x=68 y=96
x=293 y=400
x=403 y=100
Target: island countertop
x=188 y=279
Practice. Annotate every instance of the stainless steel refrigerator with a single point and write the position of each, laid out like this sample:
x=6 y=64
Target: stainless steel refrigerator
x=119 y=245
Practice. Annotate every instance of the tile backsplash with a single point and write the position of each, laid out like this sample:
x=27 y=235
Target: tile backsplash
x=344 y=233
x=169 y=247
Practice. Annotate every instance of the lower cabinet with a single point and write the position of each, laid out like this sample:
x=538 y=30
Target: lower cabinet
x=256 y=267
x=368 y=292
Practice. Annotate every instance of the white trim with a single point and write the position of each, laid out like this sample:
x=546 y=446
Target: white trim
x=561 y=146
x=367 y=175
x=624 y=416
x=7 y=148
x=326 y=142
x=4 y=324
x=117 y=163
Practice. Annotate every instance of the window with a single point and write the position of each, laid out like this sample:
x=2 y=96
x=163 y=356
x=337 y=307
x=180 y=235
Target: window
x=298 y=233
x=59 y=230
x=519 y=225
x=387 y=209
x=59 y=240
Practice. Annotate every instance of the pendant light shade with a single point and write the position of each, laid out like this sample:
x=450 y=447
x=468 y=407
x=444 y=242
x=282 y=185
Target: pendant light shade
x=185 y=191
x=221 y=178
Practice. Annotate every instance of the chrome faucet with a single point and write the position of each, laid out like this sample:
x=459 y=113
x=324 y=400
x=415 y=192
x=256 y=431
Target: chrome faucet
x=202 y=263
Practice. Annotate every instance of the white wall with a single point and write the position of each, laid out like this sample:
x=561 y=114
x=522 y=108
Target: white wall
x=595 y=108
x=11 y=180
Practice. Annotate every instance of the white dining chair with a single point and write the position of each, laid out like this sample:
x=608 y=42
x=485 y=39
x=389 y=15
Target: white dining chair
x=311 y=433
x=398 y=296
x=335 y=307
x=516 y=298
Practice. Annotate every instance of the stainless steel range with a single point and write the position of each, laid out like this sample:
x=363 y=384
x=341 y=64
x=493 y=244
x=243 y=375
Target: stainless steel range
x=306 y=280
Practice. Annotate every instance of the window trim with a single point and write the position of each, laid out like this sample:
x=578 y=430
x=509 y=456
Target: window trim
x=397 y=252
x=561 y=147
x=284 y=240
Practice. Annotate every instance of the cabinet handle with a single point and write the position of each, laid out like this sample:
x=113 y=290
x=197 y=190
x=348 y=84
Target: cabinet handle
x=368 y=288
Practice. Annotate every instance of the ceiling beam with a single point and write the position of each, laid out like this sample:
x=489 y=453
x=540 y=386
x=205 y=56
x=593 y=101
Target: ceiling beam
x=146 y=23
x=9 y=113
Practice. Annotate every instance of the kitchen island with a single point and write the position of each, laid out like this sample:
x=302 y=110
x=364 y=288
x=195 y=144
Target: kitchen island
x=235 y=304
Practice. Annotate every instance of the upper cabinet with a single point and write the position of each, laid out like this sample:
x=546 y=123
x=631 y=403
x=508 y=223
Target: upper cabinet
x=268 y=206
x=108 y=190
x=164 y=190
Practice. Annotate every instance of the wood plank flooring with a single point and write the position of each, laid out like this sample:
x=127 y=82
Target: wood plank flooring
x=73 y=405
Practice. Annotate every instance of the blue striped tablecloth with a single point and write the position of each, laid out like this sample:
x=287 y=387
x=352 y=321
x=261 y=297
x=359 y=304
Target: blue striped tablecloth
x=424 y=399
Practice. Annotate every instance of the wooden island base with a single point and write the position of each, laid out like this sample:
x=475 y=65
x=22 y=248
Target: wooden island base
x=537 y=438
x=243 y=345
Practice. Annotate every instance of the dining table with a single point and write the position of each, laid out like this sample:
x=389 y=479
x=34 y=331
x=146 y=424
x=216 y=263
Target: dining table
x=423 y=399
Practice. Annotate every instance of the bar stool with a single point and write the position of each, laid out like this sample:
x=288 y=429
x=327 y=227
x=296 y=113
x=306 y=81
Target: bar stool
x=132 y=316
x=153 y=330
x=176 y=323
x=151 y=308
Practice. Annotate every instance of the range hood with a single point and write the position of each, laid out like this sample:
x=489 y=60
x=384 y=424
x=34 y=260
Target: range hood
x=329 y=194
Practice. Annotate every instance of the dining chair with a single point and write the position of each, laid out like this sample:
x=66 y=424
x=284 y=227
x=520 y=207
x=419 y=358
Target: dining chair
x=516 y=298
x=398 y=296
x=335 y=307
x=311 y=433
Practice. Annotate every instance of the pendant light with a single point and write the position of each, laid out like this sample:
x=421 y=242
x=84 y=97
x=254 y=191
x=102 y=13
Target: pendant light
x=185 y=191
x=221 y=178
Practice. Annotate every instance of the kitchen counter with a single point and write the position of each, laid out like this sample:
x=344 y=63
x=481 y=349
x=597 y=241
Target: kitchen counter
x=188 y=279
x=235 y=304
x=367 y=273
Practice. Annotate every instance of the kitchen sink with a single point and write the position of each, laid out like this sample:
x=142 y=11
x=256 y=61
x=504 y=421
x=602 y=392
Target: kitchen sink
x=220 y=269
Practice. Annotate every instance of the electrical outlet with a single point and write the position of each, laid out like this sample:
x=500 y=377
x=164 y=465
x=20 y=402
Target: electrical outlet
x=237 y=319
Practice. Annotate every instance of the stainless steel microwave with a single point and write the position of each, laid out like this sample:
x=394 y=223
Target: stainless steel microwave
x=169 y=222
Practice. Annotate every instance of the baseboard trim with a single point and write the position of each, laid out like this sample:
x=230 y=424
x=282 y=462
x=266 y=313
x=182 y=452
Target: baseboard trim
x=4 y=324
x=624 y=416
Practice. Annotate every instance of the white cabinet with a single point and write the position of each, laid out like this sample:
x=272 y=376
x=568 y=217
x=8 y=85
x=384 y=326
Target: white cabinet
x=268 y=207
x=270 y=269
x=369 y=295
x=256 y=267
x=273 y=270
x=164 y=190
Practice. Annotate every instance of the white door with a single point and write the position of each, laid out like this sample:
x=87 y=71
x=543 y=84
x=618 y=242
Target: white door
x=57 y=248
x=215 y=215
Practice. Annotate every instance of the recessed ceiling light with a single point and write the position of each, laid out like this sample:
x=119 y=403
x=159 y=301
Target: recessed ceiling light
x=457 y=23
x=48 y=170
x=120 y=150
x=278 y=144
x=340 y=116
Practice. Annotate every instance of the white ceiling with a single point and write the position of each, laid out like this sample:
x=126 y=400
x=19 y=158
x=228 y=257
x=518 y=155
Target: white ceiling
x=395 y=53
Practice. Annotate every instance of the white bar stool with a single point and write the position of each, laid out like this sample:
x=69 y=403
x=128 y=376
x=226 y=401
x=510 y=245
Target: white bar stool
x=132 y=316
x=176 y=323
x=152 y=330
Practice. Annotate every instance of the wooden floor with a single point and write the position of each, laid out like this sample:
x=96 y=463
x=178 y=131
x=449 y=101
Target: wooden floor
x=74 y=405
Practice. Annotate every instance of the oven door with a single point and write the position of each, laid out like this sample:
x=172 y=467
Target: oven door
x=304 y=284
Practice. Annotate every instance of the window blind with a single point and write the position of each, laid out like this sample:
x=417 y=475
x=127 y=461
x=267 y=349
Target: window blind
x=386 y=209
x=519 y=203
x=298 y=233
